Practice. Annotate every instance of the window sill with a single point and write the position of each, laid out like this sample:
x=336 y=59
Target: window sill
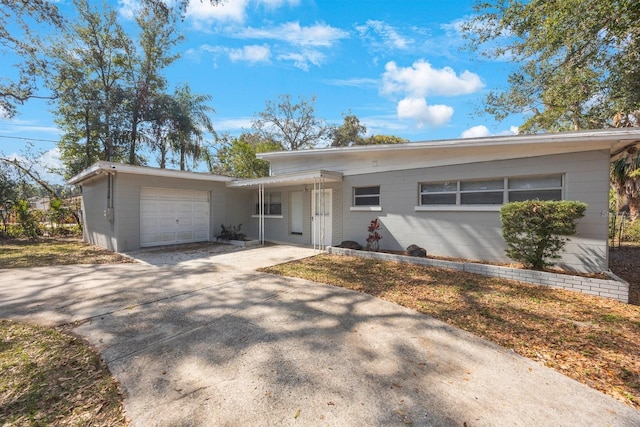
x=267 y=216
x=458 y=208
x=365 y=208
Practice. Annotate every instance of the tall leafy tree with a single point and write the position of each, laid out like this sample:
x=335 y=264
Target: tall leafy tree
x=350 y=132
x=189 y=116
x=577 y=60
x=157 y=37
x=19 y=20
x=237 y=156
x=294 y=126
x=91 y=63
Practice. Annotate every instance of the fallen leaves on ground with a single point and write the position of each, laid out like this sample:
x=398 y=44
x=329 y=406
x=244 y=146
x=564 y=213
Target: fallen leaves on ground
x=24 y=253
x=51 y=378
x=593 y=340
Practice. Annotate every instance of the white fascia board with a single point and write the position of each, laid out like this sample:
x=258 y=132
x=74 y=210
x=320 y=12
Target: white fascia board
x=103 y=167
x=607 y=138
x=287 y=179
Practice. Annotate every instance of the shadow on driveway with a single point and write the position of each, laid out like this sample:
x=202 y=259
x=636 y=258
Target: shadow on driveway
x=225 y=345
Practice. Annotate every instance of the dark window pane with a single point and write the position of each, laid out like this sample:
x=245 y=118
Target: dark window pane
x=275 y=209
x=366 y=191
x=521 y=196
x=488 y=198
x=438 y=199
x=367 y=201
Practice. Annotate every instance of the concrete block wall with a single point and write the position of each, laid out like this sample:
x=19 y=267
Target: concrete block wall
x=614 y=288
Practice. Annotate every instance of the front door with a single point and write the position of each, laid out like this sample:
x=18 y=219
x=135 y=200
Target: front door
x=321 y=208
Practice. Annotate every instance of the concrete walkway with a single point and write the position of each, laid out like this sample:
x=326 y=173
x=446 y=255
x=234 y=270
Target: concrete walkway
x=205 y=340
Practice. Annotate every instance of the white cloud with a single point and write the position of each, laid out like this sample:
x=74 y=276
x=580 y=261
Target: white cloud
x=304 y=59
x=425 y=115
x=476 y=132
x=353 y=82
x=388 y=35
x=513 y=130
x=319 y=35
x=204 y=11
x=483 y=131
x=253 y=54
x=421 y=80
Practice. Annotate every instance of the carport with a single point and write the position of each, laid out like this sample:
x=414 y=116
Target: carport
x=310 y=185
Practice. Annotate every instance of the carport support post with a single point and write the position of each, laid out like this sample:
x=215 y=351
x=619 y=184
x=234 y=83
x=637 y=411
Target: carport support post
x=319 y=213
x=261 y=213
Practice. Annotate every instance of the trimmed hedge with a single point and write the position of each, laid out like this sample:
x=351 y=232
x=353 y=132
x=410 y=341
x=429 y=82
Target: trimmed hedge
x=536 y=231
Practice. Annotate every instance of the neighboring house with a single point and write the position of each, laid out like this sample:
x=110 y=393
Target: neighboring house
x=444 y=196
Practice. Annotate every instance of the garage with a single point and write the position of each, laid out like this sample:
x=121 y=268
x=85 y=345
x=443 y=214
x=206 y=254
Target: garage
x=170 y=216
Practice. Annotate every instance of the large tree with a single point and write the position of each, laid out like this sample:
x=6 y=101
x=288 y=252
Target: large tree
x=90 y=63
x=189 y=118
x=577 y=60
x=158 y=36
x=237 y=156
x=294 y=126
x=350 y=132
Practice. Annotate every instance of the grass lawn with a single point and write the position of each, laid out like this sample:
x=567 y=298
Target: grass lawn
x=593 y=340
x=48 y=377
x=22 y=253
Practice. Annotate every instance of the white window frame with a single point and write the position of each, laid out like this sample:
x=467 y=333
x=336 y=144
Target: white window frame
x=365 y=208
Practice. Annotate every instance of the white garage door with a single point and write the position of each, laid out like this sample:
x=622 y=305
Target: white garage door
x=170 y=216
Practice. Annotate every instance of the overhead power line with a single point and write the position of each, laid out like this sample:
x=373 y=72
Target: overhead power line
x=28 y=139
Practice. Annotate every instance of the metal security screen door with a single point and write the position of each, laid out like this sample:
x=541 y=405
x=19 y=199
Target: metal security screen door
x=321 y=227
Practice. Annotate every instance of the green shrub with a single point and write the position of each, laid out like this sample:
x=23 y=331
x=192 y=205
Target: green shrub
x=631 y=231
x=26 y=220
x=535 y=231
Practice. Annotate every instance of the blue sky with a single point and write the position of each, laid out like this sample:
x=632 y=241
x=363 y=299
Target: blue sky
x=397 y=65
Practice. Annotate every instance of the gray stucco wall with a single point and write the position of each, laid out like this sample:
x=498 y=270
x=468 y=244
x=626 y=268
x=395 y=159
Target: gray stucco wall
x=477 y=235
x=97 y=229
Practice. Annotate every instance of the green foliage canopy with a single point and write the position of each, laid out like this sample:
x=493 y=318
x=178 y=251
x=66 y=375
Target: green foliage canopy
x=578 y=60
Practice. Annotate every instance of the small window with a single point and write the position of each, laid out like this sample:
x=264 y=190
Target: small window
x=272 y=204
x=535 y=188
x=486 y=192
x=366 y=196
x=439 y=193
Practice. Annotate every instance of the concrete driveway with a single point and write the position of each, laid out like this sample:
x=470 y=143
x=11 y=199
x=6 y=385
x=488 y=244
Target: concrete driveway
x=202 y=339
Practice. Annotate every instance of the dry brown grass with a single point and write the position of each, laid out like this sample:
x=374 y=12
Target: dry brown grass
x=51 y=378
x=23 y=253
x=591 y=339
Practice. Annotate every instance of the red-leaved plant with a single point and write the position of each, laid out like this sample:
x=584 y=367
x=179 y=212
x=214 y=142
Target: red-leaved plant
x=374 y=237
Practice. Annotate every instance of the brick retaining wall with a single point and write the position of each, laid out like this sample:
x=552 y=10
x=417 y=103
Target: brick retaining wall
x=614 y=288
